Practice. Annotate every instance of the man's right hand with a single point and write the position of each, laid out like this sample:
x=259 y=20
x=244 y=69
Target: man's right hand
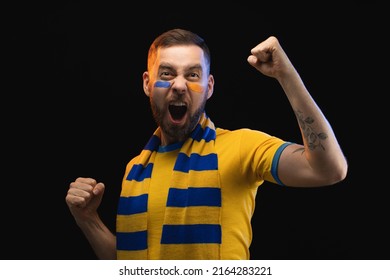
x=83 y=198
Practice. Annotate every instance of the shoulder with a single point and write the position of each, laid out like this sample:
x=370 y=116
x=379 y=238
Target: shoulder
x=242 y=132
x=248 y=141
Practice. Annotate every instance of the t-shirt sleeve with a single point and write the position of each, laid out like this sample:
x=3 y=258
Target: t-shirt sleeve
x=260 y=154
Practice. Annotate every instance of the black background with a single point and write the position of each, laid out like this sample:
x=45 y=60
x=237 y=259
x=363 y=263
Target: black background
x=73 y=105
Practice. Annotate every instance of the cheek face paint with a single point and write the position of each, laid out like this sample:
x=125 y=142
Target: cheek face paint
x=196 y=87
x=162 y=87
x=162 y=84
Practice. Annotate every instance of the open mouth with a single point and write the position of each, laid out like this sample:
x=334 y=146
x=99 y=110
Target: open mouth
x=177 y=111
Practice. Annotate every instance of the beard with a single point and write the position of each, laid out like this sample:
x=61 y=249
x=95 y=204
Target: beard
x=174 y=132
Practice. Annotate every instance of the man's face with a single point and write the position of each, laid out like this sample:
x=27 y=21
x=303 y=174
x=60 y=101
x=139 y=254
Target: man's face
x=178 y=86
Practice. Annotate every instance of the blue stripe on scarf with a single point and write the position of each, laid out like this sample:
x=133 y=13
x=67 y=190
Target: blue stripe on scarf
x=138 y=172
x=153 y=142
x=132 y=240
x=206 y=134
x=194 y=197
x=133 y=204
x=187 y=234
x=198 y=162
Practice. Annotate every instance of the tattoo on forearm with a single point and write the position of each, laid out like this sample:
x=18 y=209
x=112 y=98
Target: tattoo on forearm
x=314 y=139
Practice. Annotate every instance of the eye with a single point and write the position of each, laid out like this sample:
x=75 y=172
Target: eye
x=165 y=74
x=194 y=76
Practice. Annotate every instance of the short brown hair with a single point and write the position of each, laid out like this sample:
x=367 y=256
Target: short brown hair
x=176 y=37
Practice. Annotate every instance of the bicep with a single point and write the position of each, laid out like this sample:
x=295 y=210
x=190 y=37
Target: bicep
x=294 y=169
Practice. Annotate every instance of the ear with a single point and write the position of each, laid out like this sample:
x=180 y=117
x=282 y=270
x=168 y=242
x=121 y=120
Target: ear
x=146 y=80
x=210 y=86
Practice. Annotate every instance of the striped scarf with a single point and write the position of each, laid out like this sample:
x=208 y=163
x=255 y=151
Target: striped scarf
x=192 y=221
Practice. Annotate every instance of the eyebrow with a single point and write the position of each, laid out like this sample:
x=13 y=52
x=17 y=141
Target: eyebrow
x=170 y=67
x=196 y=67
x=165 y=66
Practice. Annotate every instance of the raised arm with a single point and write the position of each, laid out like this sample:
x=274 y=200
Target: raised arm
x=320 y=160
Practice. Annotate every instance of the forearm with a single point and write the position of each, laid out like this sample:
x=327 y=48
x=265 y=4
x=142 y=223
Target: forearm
x=101 y=239
x=321 y=147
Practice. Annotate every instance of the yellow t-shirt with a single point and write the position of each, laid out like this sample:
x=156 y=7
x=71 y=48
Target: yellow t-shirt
x=245 y=159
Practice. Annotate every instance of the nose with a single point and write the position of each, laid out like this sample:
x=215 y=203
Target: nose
x=179 y=85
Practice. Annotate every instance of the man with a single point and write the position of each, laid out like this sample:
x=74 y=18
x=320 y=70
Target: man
x=190 y=193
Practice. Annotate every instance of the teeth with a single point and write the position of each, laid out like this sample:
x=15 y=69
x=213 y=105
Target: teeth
x=178 y=104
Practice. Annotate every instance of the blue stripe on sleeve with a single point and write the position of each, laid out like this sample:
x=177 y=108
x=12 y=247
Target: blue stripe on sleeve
x=275 y=162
